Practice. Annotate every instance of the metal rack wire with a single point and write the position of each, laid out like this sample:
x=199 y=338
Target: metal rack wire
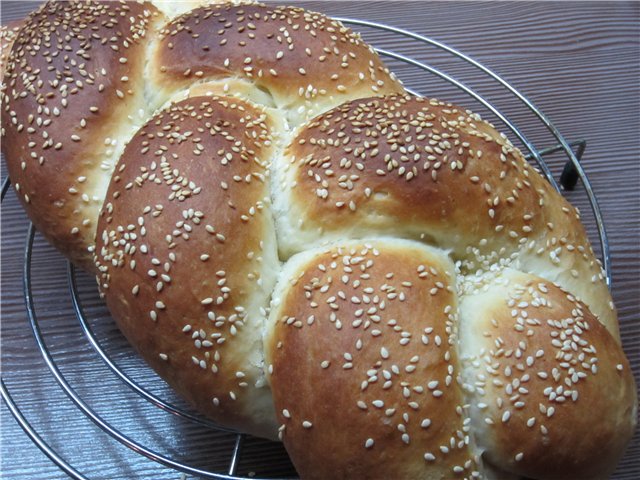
x=572 y=172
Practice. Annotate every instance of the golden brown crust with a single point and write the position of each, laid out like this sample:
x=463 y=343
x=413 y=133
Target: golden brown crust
x=304 y=59
x=553 y=394
x=429 y=170
x=364 y=364
x=187 y=255
x=67 y=99
x=361 y=346
x=529 y=389
x=402 y=161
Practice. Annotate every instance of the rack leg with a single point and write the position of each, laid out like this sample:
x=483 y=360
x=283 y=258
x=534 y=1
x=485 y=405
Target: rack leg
x=569 y=176
x=233 y=466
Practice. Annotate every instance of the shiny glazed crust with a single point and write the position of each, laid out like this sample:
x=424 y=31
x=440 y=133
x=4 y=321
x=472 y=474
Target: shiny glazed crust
x=384 y=364
x=537 y=364
x=300 y=248
x=361 y=348
x=187 y=256
x=71 y=98
x=432 y=171
x=307 y=62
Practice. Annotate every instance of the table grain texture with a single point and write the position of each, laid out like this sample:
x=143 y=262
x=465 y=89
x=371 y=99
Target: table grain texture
x=577 y=61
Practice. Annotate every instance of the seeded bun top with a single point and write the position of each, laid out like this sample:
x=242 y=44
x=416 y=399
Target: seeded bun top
x=73 y=92
x=552 y=394
x=84 y=76
x=382 y=366
x=361 y=349
x=187 y=255
x=432 y=171
x=304 y=60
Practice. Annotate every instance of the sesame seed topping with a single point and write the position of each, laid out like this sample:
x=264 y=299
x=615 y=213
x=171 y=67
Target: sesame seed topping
x=352 y=161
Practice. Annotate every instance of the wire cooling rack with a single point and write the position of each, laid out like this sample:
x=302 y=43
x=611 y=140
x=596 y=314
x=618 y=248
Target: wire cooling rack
x=111 y=353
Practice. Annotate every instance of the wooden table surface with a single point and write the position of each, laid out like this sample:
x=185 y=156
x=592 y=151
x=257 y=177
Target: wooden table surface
x=577 y=61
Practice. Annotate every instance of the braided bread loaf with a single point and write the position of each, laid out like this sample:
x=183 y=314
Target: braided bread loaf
x=301 y=249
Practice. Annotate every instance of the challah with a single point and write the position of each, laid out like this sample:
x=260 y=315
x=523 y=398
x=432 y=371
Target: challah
x=305 y=251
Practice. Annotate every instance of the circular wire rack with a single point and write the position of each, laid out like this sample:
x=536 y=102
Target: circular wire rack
x=571 y=173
